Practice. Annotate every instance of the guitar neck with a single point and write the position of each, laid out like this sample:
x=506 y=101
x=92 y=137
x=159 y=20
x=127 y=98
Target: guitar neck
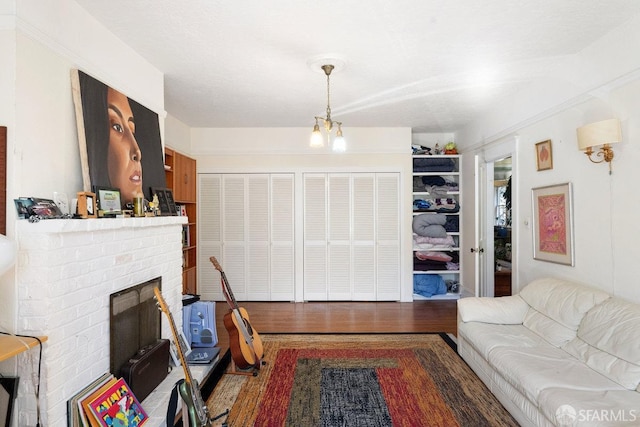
x=226 y=287
x=176 y=337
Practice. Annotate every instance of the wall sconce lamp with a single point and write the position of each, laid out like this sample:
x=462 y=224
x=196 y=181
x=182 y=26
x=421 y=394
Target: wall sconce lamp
x=602 y=133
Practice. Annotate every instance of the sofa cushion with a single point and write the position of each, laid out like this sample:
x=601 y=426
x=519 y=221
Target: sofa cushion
x=591 y=408
x=484 y=337
x=533 y=369
x=557 y=307
x=609 y=341
x=504 y=310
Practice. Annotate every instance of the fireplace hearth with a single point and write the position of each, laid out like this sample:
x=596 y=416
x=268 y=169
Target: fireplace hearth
x=134 y=321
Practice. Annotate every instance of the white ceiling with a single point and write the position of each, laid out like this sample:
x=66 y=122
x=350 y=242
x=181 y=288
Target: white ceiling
x=432 y=65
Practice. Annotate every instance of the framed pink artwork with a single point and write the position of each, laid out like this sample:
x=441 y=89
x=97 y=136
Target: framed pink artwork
x=553 y=224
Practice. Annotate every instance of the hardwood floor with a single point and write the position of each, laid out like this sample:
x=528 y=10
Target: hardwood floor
x=344 y=317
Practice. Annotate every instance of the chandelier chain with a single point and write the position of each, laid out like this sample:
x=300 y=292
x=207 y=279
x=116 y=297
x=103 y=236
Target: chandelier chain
x=328 y=100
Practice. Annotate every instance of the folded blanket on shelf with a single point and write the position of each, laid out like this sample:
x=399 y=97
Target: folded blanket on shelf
x=434 y=256
x=424 y=242
x=429 y=284
x=452 y=225
x=430 y=164
x=437 y=190
x=429 y=225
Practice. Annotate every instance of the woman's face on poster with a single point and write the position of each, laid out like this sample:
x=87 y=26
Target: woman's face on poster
x=124 y=167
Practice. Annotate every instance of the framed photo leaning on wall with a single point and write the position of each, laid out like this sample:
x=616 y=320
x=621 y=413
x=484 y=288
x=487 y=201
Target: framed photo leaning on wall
x=553 y=224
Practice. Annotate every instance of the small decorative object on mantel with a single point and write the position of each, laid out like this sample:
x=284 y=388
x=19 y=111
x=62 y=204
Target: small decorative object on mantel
x=87 y=204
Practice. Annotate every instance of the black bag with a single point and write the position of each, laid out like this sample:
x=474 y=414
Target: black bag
x=147 y=368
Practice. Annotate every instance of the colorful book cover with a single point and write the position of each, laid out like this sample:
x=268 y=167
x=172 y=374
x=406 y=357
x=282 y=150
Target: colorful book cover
x=88 y=418
x=118 y=406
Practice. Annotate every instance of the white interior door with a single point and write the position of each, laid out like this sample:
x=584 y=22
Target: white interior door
x=486 y=216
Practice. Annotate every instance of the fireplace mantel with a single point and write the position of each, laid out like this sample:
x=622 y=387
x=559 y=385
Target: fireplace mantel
x=85 y=225
x=66 y=270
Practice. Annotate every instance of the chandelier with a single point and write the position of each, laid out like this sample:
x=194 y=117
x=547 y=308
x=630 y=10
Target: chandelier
x=317 y=140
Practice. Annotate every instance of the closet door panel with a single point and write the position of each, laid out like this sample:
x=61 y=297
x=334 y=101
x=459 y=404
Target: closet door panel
x=209 y=235
x=388 y=236
x=233 y=204
x=339 y=286
x=257 y=236
x=233 y=256
x=315 y=272
x=364 y=208
x=388 y=273
x=364 y=272
x=282 y=257
x=315 y=237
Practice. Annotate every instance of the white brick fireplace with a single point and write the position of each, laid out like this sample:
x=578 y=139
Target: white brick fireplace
x=66 y=271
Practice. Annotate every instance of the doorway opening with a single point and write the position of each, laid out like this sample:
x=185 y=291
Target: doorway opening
x=502 y=241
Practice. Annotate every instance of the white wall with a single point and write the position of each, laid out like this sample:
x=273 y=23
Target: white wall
x=601 y=82
x=177 y=135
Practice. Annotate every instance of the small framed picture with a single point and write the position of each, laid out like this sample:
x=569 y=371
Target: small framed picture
x=544 y=156
x=165 y=199
x=109 y=203
x=171 y=202
x=87 y=207
x=22 y=207
x=553 y=224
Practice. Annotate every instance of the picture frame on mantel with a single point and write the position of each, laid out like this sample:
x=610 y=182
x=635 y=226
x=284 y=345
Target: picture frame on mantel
x=109 y=201
x=553 y=224
x=166 y=203
x=87 y=207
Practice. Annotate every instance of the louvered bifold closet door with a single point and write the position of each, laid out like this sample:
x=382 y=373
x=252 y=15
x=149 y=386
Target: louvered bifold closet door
x=388 y=236
x=282 y=254
x=234 y=247
x=364 y=237
x=315 y=237
x=209 y=235
x=257 y=237
x=339 y=244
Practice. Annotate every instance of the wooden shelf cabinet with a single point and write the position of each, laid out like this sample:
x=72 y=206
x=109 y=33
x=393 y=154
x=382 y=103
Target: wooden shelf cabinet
x=180 y=174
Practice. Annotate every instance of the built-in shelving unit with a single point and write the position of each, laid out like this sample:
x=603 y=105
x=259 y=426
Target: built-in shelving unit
x=180 y=174
x=436 y=192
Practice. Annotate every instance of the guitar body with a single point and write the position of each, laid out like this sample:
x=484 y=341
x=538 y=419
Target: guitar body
x=241 y=352
x=196 y=419
x=244 y=342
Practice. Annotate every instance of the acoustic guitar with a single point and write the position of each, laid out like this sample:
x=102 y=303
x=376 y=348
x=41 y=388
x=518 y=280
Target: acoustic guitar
x=244 y=342
x=197 y=410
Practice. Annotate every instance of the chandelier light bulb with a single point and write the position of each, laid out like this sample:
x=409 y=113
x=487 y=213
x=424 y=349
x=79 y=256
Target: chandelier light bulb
x=339 y=144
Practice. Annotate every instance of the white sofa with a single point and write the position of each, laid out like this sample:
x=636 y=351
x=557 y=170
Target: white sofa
x=558 y=353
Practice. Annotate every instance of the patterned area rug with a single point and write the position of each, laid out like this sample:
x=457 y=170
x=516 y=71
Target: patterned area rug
x=358 y=380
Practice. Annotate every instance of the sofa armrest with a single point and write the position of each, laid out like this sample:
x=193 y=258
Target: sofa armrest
x=508 y=310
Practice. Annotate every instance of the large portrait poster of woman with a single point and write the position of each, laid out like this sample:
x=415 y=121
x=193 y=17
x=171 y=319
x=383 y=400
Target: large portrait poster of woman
x=119 y=140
